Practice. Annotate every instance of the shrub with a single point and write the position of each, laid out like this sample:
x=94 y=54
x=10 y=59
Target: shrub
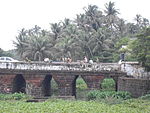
x=80 y=84
x=92 y=95
x=98 y=95
x=108 y=84
x=18 y=96
x=122 y=94
x=146 y=97
x=15 y=96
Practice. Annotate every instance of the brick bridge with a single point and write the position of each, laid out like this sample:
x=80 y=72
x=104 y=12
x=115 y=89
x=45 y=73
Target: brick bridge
x=35 y=78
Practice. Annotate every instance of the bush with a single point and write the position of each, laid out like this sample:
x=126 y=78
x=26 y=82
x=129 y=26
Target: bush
x=108 y=84
x=97 y=95
x=15 y=96
x=123 y=95
x=145 y=97
x=92 y=95
x=18 y=96
x=80 y=84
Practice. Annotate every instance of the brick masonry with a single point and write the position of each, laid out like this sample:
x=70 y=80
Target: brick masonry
x=65 y=84
x=34 y=85
x=93 y=82
x=6 y=83
x=137 y=87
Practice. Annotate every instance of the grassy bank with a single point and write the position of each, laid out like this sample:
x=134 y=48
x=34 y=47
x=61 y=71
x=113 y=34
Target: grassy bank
x=64 y=106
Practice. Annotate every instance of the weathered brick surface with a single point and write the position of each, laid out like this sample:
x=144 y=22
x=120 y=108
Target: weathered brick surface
x=93 y=82
x=65 y=84
x=6 y=83
x=137 y=87
x=34 y=85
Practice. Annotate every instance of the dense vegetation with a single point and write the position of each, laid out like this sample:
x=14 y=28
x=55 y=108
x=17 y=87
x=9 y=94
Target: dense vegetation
x=98 y=34
x=62 y=106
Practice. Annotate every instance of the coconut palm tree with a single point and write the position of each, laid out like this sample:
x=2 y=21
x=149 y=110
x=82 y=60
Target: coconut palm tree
x=94 y=17
x=21 y=42
x=111 y=13
x=56 y=29
x=145 y=23
x=34 y=44
x=138 y=19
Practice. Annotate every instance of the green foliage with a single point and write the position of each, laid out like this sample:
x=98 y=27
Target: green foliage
x=80 y=84
x=126 y=41
x=15 y=96
x=123 y=95
x=5 y=53
x=81 y=88
x=97 y=95
x=91 y=34
x=108 y=84
x=146 y=97
x=54 y=88
x=122 y=41
x=64 y=106
x=141 y=48
x=33 y=44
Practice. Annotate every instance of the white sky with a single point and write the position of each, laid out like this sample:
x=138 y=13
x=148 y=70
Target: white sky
x=18 y=14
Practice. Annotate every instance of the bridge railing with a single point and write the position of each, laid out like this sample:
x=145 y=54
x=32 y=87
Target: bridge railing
x=74 y=66
x=134 y=69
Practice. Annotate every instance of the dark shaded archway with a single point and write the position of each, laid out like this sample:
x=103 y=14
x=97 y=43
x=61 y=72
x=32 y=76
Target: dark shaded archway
x=46 y=85
x=19 y=84
x=74 y=86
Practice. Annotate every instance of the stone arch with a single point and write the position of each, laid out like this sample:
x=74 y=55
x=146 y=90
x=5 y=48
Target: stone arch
x=46 y=85
x=54 y=87
x=81 y=88
x=19 y=84
x=93 y=81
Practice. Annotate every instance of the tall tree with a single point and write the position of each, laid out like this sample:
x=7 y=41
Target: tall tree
x=138 y=19
x=111 y=13
x=141 y=48
x=34 y=44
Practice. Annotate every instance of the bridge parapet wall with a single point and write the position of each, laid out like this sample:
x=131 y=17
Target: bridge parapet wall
x=60 y=66
x=134 y=69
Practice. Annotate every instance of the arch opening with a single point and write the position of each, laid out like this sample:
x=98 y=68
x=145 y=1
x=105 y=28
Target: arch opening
x=19 y=84
x=81 y=88
x=54 y=86
x=108 y=84
x=46 y=85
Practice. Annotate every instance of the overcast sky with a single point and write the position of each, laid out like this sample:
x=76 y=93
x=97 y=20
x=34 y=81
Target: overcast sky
x=18 y=14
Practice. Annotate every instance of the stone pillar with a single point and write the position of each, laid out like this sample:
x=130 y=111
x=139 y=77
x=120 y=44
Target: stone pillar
x=6 y=83
x=116 y=83
x=34 y=85
x=65 y=84
x=93 y=81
